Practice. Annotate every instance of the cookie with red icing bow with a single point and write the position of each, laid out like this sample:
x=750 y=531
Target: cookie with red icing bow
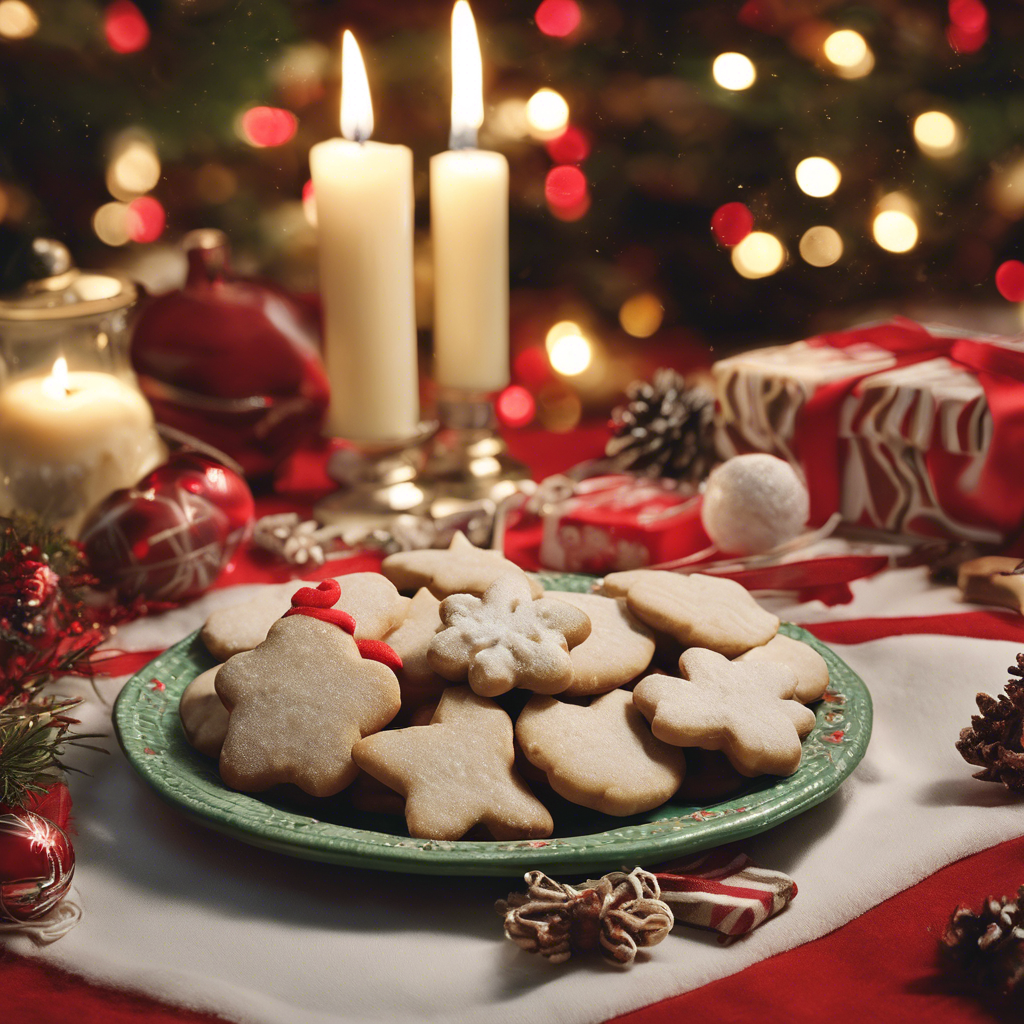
x=303 y=697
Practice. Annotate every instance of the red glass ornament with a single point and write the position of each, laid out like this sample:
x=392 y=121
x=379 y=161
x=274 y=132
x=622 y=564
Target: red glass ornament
x=169 y=537
x=732 y=223
x=232 y=361
x=37 y=863
x=1010 y=280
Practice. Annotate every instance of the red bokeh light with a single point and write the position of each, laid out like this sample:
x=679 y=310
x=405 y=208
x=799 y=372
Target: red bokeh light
x=532 y=366
x=268 y=126
x=571 y=147
x=964 y=41
x=1010 y=280
x=731 y=223
x=146 y=219
x=969 y=15
x=565 y=187
x=124 y=27
x=558 y=17
x=308 y=194
x=515 y=406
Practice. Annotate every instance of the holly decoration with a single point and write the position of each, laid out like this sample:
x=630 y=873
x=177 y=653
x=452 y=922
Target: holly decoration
x=665 y=429
x=170 y=536
x=993 y=740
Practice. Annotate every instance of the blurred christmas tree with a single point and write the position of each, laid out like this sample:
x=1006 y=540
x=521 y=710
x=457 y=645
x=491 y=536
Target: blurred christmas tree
x=873 y=148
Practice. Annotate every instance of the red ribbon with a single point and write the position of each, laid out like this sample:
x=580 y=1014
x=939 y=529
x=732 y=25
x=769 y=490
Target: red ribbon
x=1000 y=372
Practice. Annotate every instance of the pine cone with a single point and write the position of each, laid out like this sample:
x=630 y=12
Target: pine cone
x=666 y=429
x=987 y=947
x=993 y=741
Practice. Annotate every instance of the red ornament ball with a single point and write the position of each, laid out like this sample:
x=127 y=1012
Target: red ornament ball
x=37 y=863
x=1010 y=280
x=732 y=223
x=169 y=537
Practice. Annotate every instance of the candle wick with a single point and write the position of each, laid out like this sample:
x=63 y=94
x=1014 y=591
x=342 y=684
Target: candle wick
x=462 y=138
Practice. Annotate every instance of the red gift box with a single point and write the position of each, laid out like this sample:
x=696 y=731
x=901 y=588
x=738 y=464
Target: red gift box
x=618 y=522
x=898 y=427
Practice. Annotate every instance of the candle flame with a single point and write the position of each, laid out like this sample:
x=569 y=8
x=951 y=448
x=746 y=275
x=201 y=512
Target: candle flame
x=356 y=106
x=467 y=79
x=56 y=385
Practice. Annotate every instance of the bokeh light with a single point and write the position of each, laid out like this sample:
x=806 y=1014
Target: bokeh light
x=515 y=406
x=509 y=121
x=309 y=203
x=760 y=254
x=571 y=147
x=215 y=183
x=641 y=315
x=547 y=114
x=937 y=134
x=124 y=27
x=264 y=127
x=571 y=354
x=817 y=176
x=895 y=230
x=731 y=223
x=563 y=329
x=1010 y=280
x=110 y=222
x=821 y=246
x=134 y=168
x=17 y=20
x=146 y=219
x=849 y=54
x=734 y=71
x=558 y=18
x=565 y=189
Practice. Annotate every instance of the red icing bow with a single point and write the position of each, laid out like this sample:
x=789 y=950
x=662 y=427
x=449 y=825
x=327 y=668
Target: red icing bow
x=318 y=603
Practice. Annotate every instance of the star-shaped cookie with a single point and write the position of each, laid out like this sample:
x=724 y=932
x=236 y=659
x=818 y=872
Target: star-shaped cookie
x=742 y=710
x=698 y=610
x=603 y=756
x=457 y=772
x=461 y=569
x=506 y=639
x=298 y=703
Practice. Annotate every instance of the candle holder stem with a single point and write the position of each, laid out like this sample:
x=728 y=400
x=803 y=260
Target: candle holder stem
x=468 y=460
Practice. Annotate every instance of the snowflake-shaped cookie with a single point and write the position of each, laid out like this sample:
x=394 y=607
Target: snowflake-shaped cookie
x=743 y=710
x=506 y=639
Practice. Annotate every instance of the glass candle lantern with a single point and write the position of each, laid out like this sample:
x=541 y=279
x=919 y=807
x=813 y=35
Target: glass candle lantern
x=73 y=424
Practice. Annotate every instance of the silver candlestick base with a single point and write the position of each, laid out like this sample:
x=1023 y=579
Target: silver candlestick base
x=379 y=480
x=468 y=461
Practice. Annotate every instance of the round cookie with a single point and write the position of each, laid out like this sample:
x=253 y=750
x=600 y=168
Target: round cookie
x=203 y=715
x=809 y=667
x=618 y=649
x=603 y=756
x=697 y=610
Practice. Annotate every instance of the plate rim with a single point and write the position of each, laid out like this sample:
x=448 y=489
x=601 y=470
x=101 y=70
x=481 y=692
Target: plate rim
x=301 y=835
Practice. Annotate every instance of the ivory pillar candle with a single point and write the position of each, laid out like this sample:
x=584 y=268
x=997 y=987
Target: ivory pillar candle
x=469 y=224
x=364 y=203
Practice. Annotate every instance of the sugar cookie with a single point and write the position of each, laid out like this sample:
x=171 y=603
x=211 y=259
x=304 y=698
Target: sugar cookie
x=457 y=772
x=984 y=581
x=374 y=602
x=742 y=710
x=603 y=756
x=618 y=649
x=203 y=715
x=303 y=697
x=709 y=777
x=809 y=667
x=410 y=641
x=506 y=639
x=461 y=569
x=698 y=610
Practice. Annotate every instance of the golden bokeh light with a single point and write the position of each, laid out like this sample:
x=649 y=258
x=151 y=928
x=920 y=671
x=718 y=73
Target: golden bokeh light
x=734 y=71
x=937 y=134
x=821 y=246
x=569 y=352
x=641 y=315
x=17 y=20
x=563 y=329
x=110 y=222
x=895 y=230
x=509 y=120
x=849 y=54
x=760 y=254
x=547 y=114
x=134 y=169
x=817 y=176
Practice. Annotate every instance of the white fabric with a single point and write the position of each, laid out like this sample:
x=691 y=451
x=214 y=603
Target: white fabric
x=203 y=920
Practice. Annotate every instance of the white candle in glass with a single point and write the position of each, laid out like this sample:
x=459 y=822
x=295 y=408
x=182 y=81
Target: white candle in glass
x=68 y=439
x=469 y=225
x=364 y=204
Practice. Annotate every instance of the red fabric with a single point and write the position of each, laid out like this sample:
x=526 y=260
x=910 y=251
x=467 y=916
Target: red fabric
x=985 y=625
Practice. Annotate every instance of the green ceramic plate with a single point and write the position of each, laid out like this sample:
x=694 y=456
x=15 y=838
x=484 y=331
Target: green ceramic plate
x=146 y=719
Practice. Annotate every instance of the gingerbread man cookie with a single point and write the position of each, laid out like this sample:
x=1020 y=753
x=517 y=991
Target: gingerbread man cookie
x=303 y=697
x=457 y=772
x=203 y=715
x=603 y=756
x=506 y=639
x=461 y=569
x=375 y=602
x=697 y=610
x=742 y=710
x=809 y=667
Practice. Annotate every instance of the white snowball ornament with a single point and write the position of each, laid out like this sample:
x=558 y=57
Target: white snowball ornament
x=753 y=503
